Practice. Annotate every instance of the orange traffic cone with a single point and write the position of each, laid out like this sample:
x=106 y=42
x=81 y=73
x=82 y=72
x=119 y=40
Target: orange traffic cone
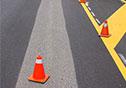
x=105 y=30
x=39 y=73
x=82 y=1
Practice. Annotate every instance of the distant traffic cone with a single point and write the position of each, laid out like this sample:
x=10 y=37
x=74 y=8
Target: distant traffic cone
x=39 y=73
x=82 y=1
x=105 y=30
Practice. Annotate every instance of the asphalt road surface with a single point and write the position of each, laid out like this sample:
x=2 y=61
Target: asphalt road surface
x=121 y=47
x=93 y=64
x=75 y=57
x=103 y=9
x=18 y=18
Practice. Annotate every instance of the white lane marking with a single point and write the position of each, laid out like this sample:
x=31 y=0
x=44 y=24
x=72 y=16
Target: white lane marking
x=89 y=8
x=122 y=57
x=87 y=3
x=98 y=21
x=93 y=14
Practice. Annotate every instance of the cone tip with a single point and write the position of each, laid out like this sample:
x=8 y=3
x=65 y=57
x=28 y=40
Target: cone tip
x=39 y=57
x=105 y=21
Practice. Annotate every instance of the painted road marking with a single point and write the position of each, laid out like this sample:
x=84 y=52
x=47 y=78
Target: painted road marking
x=89 y=8
x=124 y=1
x=122 y=57
x=87 y=4
x=92 y=13
x=115 y=25
x=98 y=21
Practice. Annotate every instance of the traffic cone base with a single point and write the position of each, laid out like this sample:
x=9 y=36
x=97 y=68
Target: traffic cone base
x=105 y=35
x=39 y=80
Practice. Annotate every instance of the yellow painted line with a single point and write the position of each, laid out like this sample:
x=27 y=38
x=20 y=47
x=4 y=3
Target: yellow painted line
x=117 y=26
x=124 y=1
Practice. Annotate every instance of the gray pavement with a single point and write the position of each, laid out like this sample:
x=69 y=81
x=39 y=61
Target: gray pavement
x=103 y=9
x=121 y=47
x=50 y=39
x=0 y=45
x=18 y=18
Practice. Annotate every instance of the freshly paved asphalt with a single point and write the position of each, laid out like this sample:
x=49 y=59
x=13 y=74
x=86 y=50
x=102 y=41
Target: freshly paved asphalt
x=17 y=23
x=93 y=64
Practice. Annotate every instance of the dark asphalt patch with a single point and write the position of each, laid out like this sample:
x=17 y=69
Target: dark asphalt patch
x=18 y=17
x=94 y=66
x=103 y=9
x=121 y=47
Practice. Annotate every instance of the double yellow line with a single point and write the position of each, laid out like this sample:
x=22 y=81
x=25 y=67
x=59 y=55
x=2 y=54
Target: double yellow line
x=117 y=26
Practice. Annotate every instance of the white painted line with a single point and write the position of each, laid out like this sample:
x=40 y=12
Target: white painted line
x=98 y=21
x=89 y=8
x=93 y=14
x=87 y=3
x=122 y=57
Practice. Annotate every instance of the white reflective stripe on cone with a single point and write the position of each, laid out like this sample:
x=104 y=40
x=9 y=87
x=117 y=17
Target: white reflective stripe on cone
x=105 y=25
x=39 y=61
